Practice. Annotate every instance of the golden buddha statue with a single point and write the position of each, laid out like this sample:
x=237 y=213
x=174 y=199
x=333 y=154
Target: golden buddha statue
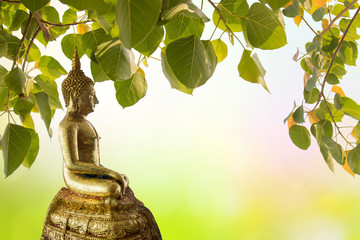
x=98 y=203
x=80 y=142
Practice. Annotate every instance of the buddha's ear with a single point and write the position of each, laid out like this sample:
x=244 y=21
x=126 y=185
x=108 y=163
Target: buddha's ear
x=73 y=98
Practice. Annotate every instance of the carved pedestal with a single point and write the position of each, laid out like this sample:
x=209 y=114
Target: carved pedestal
x=73 y=216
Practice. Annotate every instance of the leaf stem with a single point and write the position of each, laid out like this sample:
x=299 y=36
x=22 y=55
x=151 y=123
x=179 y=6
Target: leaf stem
x=29 y=47
x=22 y=40
x=338 y=16
x=224 y=21
x=302 y=17
x=337 y=127
x=65 y=25
x=9 y=1
x=334 y=55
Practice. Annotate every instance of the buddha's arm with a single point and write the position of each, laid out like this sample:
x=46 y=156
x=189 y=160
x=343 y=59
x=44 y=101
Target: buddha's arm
x=69 y=147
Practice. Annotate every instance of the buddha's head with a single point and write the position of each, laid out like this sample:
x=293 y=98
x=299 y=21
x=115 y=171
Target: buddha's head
x=78 y=90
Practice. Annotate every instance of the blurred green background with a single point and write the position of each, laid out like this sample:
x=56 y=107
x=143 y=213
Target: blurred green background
x=215 y=165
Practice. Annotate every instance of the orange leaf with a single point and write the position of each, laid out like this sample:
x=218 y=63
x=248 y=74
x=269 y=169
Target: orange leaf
x=313 y=118
x=288 y=4
x=83 y=28
x=291 y=122
x=324 y=23
x=297 y=20
x=346 y=165
x=306 y=78
x=320 y=3
x=337 y=89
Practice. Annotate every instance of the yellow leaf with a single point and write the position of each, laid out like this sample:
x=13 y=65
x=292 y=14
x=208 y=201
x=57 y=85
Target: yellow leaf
x=320 y=3
x=354 y=135
x=312 y=117
x=145 y=62
x=346 y=165
x=37 y=64
x=220 y=49
x=337 y=89
x=324 y=23
x=291 y=121
x=83 y=28
x=141 y=71
x=27 y=121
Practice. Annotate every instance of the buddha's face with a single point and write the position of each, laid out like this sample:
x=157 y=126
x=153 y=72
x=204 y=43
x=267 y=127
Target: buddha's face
x=87 y=100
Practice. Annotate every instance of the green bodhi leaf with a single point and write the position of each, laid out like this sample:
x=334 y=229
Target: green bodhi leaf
x=34 y=5
x=189 y=61
x=263 y=29
x=250 y=69
x=184 y=8
x=133 y=28
x=50 y=67
x=327 y=157
x=332 y=79
x=15 y=145
x=130 y=91
x=233 y=12
x=97 y=73
x=41 y=100
x=151 y=42
x=183 y=26
x=335 y=149
x=350 y=108
x=69 y=16
x=276 y=4
x=300 y=136
x=98 y=5
x=353 y=159
x=298 y=115
x=174 y=82
x=33 y=150
x=114 y=59
x=292 y=10
x=90 y=40
x=15 y=80
x=318 y=15
x=311 y=96
x=68 y=44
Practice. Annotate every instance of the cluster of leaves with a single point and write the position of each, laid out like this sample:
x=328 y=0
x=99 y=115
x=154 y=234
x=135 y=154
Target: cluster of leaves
x=109 y=32
x=112 y=32
x=332 y=49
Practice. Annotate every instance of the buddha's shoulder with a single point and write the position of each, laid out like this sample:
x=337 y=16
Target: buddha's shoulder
x=72 y=123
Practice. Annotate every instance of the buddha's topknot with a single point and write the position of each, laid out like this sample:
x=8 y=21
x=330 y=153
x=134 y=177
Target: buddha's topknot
x=76 y=82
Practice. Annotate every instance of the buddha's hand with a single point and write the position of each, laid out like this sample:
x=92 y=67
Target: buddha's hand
x=122 y=179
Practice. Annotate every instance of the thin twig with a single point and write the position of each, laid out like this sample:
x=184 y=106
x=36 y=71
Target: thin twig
x=65 y=25
x=337 y=127
x=22 y=41
x=334 y=55
x=337 y=17
x=309 y=24
x=224 y=21
x=29 y=47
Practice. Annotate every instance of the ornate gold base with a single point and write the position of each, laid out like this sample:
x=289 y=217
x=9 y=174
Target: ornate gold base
x=73 y=216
